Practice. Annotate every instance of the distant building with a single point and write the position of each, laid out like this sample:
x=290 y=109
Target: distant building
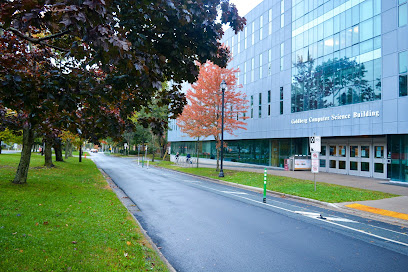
x=332 y=68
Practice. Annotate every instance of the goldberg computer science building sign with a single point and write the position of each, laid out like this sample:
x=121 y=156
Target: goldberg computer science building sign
x=336 y=117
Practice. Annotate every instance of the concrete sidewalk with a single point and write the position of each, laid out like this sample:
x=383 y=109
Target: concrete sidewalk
x=395 y=209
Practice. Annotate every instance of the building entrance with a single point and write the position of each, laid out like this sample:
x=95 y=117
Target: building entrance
x=355 y=156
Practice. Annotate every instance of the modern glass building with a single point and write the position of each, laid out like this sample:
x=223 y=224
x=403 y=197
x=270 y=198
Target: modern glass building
x=333 y=68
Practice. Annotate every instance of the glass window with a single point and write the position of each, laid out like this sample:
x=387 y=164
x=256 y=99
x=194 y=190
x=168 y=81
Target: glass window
x=281 y=107
x=403 y=61
x=252 y=100
x=365 y=151
x=332 y=164
x=365 y=166
x=333 y=151
x=323 y=153
x=342 y=164
x=377 y=25
x=342 y=150
x=269 y=110
x=379 y=151
x=322 y=163
x=260 y=98
x=403 y=85
x=366 y=10
x=260 y=112
x=356 y=15
x=379 y=167
x=281 y=93
x=366 y=30
x=353 y=166
x=402 y=15
x=354 y=151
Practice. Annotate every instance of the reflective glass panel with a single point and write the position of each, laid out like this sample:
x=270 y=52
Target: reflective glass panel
x=403 y=62
x=342 y=164
x=379 y=167
x=353 y=151
x=379 y=151
x=402 y=15
x=332 y=164
x=353 y=165
x=365 y=151
x=342 y=151
x=365 y=166
x=403 y=85
x=333 y=151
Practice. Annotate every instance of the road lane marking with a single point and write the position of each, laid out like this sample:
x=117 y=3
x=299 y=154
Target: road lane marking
x=317 y=215
x=235 y=193
x=320 y=220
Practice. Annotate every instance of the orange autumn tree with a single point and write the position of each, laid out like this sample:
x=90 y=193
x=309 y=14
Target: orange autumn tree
x=202 y=116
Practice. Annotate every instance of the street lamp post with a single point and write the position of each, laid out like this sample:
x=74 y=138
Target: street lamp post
x=223 y=87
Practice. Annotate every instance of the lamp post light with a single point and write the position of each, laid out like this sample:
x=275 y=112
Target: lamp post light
x=223 y=87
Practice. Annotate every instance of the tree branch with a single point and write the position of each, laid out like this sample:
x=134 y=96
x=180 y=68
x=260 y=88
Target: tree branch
x=39 y=40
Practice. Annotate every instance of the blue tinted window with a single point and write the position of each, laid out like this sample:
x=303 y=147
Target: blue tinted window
x=402 y=15
x=403 y=57
x=366 y=46
x=366 y=10
x=366 y=30
x=377 y=25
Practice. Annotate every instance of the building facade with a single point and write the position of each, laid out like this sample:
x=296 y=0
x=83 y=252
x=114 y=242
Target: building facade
x=332 y=68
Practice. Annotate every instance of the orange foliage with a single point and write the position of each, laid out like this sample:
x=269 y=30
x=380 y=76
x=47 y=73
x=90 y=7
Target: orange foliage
x=202 y=116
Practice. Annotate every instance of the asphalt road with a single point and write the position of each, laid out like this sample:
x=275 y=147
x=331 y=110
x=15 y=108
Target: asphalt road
x=204 y=226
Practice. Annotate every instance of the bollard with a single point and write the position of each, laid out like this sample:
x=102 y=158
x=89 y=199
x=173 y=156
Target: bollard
x=85 y=155
x=264 y=194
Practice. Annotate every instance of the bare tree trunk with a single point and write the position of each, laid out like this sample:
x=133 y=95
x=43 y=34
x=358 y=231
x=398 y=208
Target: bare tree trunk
x=66 y=148
x=80 y=153
x=48 y=154
x=23 y=166
x=70 y=149
x=58 y=149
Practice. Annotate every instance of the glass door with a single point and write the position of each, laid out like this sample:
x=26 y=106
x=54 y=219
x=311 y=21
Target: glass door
x=379 y=161
x=354 y=160
x=365 y=165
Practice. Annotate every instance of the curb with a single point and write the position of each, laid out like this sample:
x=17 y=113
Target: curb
x=332 y=206
x=132 y=207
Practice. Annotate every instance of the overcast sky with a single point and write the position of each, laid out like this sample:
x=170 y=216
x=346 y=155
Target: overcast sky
x=245 y=6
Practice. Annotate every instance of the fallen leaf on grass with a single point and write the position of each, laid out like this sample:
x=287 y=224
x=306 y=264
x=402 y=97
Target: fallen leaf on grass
x=125 y=254
x=128 y=243
x=74 y=242
x=45 y=223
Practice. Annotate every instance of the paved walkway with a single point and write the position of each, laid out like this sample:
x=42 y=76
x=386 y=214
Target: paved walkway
x=396 y=207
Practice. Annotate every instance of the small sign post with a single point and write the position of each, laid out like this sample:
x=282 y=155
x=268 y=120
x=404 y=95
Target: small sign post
x=315 y=148
x=264 y=193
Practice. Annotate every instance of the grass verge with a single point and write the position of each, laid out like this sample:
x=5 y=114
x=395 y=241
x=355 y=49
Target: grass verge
x=305 y=188
x=67 y=218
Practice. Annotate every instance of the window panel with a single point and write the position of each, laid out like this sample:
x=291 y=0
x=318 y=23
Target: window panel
x=403 y=62
x=402 y=15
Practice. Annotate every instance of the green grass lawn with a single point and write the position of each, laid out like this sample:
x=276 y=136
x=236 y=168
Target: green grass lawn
x=325 y=192
x=67 y=218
